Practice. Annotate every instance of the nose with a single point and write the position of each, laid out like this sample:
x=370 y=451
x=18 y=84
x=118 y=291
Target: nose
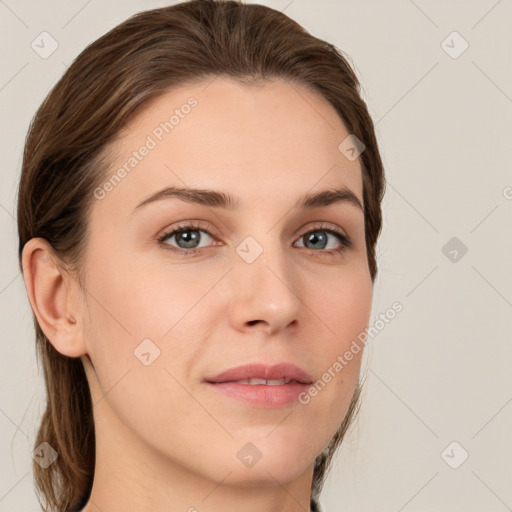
x=265 y=292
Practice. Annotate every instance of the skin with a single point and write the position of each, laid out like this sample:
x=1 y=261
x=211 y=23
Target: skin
x=164 y=441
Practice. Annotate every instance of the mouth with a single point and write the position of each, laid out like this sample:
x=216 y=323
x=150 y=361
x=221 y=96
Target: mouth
x=263 y=382
x=261 y=385
x=263 y=374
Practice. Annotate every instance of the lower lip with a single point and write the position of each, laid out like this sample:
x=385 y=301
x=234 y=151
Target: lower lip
x=261 y=395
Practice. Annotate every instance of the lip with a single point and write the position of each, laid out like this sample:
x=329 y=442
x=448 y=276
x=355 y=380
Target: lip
x=262 y=395
x=263 y=371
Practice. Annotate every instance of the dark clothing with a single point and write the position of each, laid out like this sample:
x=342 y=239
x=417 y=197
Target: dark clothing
x=315 y=507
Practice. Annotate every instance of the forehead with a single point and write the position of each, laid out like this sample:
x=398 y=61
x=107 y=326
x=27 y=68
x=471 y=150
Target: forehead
x=269 y=142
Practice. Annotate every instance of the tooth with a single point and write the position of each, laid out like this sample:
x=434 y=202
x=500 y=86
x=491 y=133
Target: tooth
x=275 y=382
x=257 y=381
x=270 y=382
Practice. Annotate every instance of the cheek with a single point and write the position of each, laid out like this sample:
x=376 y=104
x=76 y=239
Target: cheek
x=134 y=310
x=135 y=316
x=344 y=305
x=142 y=300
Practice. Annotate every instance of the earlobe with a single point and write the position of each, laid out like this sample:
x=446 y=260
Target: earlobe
x=49 y=289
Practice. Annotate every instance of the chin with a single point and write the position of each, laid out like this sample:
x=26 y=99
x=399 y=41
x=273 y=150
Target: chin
x=268 y=473
x=262 y=461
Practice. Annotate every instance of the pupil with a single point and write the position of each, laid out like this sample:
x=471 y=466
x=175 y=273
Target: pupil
x=189 y=240
x=314 y=238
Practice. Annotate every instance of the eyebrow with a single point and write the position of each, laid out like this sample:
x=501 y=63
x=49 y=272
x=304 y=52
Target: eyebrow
x=217 y=199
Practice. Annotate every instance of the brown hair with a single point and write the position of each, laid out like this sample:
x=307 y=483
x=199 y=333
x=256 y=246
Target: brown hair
x=65 y=159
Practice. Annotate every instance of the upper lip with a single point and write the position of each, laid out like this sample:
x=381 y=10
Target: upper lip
x=263 y=371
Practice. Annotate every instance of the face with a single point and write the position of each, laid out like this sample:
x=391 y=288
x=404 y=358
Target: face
x=263 y=279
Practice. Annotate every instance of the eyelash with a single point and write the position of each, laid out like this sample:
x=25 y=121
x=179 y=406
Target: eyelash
x=346 y=242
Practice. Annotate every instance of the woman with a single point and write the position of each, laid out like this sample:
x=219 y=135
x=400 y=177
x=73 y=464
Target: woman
x=198 y=213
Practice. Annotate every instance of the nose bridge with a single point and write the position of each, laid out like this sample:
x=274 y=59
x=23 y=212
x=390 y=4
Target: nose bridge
x=263 y=254
x=265 y=283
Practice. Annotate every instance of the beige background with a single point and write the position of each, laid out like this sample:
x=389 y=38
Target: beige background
x=440 y=371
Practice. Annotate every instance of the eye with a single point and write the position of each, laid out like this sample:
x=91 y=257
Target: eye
x=188 y=237
x=318 y=236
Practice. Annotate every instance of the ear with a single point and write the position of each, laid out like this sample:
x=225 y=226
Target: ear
x=51 y=292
